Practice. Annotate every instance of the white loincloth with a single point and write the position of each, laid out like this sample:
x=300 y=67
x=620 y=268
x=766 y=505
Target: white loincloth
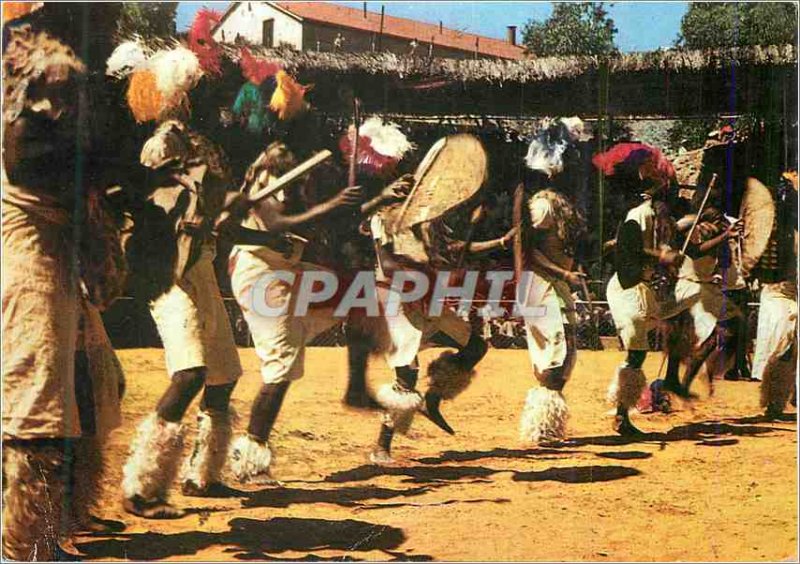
x=635 y=311
x=411 y=329
x=280 y=340
x=545 y=329
x=194 y=327
x=40 y=318
x=696 y=293
x=777 y=325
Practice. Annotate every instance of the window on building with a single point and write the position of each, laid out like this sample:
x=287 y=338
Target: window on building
x=267 y=33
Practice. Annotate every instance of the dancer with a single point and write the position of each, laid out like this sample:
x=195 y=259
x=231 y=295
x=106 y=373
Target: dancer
x=61 y=381
x=280 y=339
x=714 y=317
x=188 y=180
x=775 y=360
x=642 y=243
x=412 y=327
x=553 y=228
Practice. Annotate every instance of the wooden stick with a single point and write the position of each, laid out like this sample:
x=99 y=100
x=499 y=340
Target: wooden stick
x=303 y=168
x=473 y=222
x=699 y=213
x=351 y=177
x=516 y=221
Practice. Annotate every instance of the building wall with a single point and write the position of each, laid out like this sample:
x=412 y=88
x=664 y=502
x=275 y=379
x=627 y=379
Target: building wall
x=361 y=41
x=247 y=20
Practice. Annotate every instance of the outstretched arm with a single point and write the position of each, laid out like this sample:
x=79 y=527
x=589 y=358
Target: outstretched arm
x=572 y=277
x=477 y=248
x=272 y=213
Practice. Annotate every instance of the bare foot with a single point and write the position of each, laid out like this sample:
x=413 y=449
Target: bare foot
x=214 y=489
x=624 y=427
x=359 y=400
x=381 y=457
x=152 y=509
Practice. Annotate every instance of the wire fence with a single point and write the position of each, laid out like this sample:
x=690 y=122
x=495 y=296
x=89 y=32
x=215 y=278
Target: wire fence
x=130 y=325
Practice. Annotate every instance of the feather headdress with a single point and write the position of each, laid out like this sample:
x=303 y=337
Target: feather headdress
x=16 y=10
x=256 y=70
x=177 y=71
x=381 y=146
x=202 y=43
x=288 y=99
x=128 y=57
x=250 y=107
x=144 y=99
x=647 y=162
x=546 y=151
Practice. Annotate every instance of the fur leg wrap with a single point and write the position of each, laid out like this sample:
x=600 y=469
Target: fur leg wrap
x=214 y=431
x=33 y=500
x=626 y=387
x=153 y=460
x=778 y=384
x=87 y=488
x=250 y=458
x=400 y=405
x=447 y=377
x=544 y=417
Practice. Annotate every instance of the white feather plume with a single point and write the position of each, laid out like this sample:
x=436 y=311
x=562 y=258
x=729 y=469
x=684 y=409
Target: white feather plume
x=127 y=57
x=177 y=70
x=386 y=138
x=546 y=150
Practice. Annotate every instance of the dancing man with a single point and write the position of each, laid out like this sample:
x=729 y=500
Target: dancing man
x=552 y=231
x=642 y=243
x=61 y=381
x=274 y=249
x=188 y=180
x=775 y=360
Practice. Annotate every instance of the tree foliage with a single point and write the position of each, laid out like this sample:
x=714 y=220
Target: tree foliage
x=736 y=24
x=148 y=19
x=579 y=28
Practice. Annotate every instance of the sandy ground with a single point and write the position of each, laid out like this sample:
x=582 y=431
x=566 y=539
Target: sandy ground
x=712 y=481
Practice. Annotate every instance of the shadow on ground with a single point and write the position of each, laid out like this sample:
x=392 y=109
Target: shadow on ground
x=698 y=432
x=252 y=539
x=345 y=496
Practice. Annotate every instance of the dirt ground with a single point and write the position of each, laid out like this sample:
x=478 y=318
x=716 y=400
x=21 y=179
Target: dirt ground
x=711 y=482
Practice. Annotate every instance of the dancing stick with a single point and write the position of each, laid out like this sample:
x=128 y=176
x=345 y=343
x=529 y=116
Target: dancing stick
x=286 y=179
x=351 y=177
x=699 y=213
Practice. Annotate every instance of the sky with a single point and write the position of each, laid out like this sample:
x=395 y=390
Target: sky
x=643 y=26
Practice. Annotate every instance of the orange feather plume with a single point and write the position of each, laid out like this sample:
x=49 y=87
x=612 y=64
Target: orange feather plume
x=287 y=99
x=144 y=99
x=14 y=10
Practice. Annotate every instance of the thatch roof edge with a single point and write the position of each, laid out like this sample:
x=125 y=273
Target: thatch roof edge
x=527 y=70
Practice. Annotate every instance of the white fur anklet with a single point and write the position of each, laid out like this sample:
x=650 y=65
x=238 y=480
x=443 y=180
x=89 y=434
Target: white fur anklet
x=210 y=452
x=153 y=460
x=544 y=417
x=250 y=459
x=400 y=406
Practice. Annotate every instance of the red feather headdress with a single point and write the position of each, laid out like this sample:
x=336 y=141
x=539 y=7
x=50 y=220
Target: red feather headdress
x=256 y=70
x=647 y=161
x=202 y=43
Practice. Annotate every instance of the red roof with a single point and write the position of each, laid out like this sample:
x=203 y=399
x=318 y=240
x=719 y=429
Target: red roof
x=353 y=18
